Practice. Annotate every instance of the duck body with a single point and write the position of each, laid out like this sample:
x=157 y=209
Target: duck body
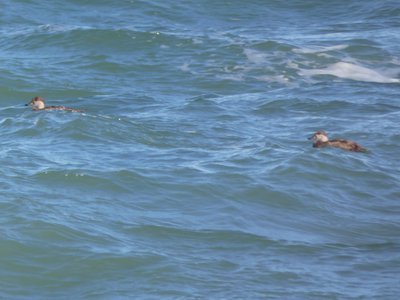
x=37 y=103
x=321 y=140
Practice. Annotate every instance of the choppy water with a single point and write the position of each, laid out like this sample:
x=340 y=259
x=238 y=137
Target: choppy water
x=189 y=175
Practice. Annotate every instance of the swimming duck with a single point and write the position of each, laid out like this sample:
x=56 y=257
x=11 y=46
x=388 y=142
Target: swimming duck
x=320 y=139
x=37 y=103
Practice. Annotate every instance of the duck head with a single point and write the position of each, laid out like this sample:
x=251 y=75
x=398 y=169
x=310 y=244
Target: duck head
x=319 y=136
x=36 y=103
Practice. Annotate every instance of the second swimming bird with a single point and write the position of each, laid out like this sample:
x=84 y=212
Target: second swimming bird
x=320 y=139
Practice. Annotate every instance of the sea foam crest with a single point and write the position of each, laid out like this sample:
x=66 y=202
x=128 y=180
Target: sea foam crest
x=351 y=71
x=320 y=49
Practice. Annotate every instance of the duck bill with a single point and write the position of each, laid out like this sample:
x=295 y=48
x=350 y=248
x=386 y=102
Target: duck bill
x=310 y=137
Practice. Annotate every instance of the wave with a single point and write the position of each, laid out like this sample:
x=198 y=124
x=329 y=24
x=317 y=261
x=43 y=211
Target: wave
x=313 y=50
x=351 y=71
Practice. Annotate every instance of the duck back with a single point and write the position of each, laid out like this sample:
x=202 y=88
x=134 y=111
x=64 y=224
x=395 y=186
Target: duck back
x=346 y=145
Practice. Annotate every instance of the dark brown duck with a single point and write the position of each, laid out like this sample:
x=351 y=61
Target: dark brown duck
x=320 y=139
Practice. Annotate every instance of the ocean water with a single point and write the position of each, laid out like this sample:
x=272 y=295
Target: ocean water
x=189 y=174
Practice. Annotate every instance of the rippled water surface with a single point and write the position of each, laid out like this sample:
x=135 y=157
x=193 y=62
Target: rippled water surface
x=189 y=174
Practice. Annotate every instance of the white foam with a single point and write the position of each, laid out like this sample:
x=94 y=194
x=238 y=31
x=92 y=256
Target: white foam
x=255 y=56
x=351 y=71
x=185 y=67
x=278 y=78
x=319 y=49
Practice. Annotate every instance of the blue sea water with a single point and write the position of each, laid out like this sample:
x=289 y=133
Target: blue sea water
x=189 y=174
